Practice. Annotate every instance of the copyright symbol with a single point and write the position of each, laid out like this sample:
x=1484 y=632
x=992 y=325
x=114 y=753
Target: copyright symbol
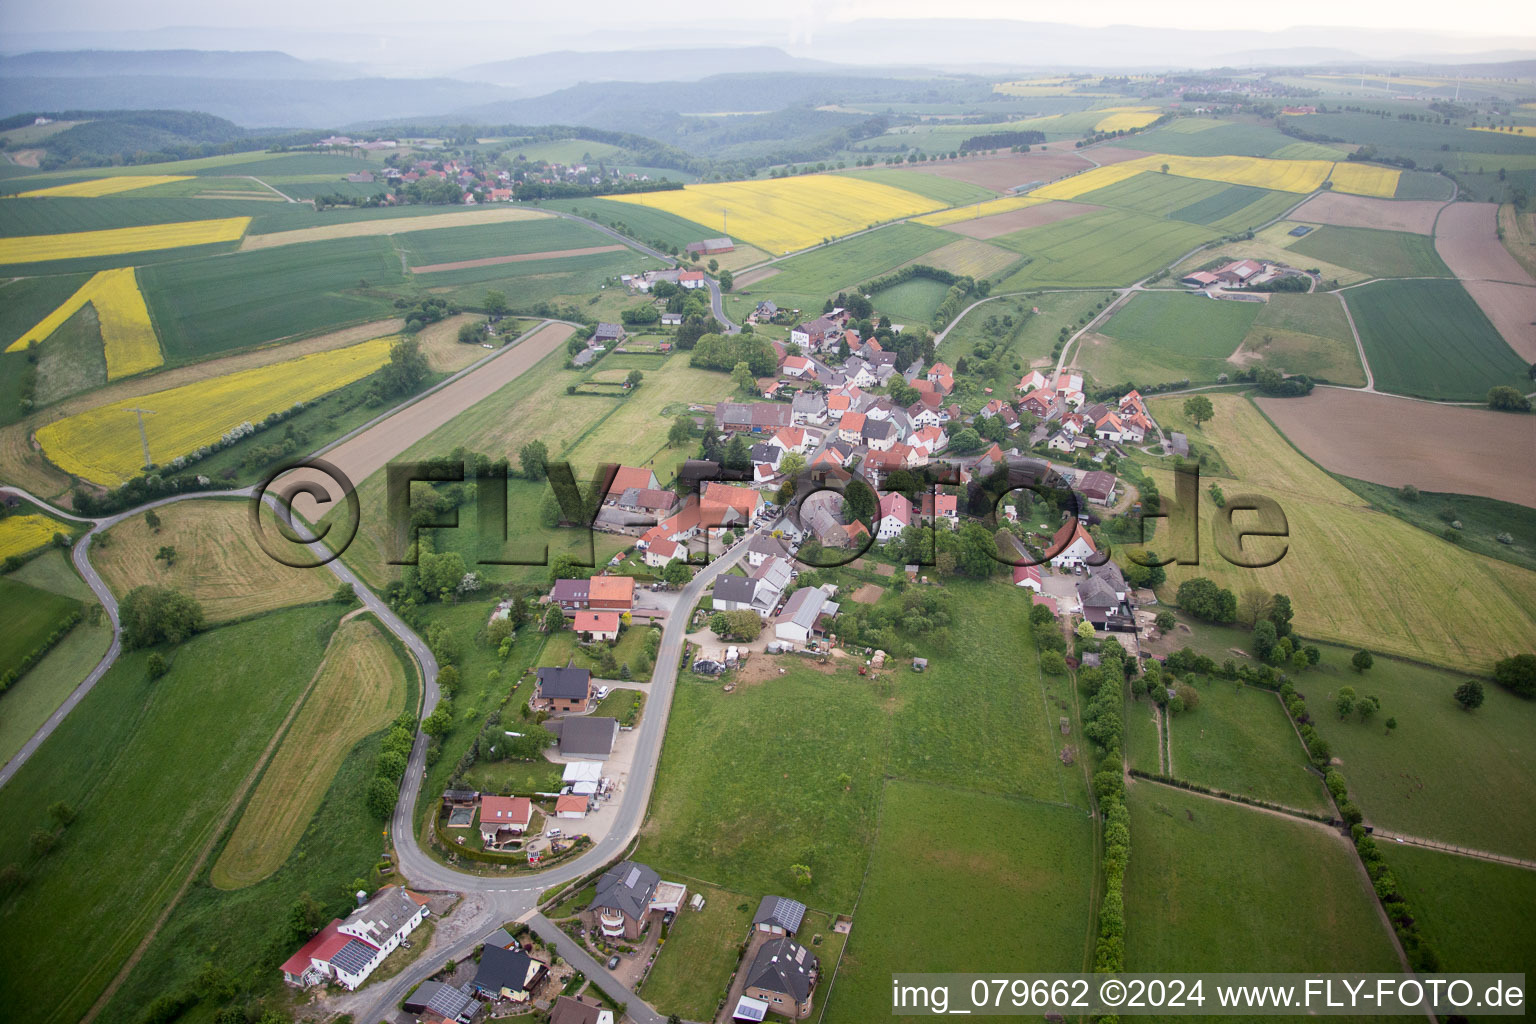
x=314 y=478
x=1112 y=992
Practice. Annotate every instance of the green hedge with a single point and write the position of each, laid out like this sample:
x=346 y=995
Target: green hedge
x=12 y=674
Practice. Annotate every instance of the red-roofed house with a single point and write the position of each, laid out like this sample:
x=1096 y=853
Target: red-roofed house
x=633 y=476
x=791 y=439
x=725 y=505
x=1027 y=576
x=1071 y=546
x=691 y=279
x=503 y=818
x=659 y=552
x=851 y=428
x=796 y=366
x=349 y=949
x=944 y=507
x=837 y=406
x=611 y=593
x=597 y=625
x=572 y=805
x=1031 y=381
x=895 y=515
x=1238 y=271
x=938 y=371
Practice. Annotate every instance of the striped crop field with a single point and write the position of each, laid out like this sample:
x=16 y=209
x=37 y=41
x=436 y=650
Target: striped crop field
x=971 y=257
x=786 y=214
x=21 y=534
x=976 y=211
x=1124 y=119
x=102 y=444
x=1299 y=176
x=104 y=186
x=118 y=241
x=126 y=332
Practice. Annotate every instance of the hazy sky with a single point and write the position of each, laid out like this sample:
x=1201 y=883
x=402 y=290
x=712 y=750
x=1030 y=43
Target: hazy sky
x=793 y=17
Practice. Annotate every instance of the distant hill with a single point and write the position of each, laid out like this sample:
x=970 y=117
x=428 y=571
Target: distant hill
x=547 y=72
x=165 y=64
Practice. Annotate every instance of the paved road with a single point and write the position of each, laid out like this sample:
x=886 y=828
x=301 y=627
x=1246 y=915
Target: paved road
x=511 y=899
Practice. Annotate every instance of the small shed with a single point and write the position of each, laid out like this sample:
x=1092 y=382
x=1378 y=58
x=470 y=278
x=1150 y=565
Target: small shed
x=919 y=664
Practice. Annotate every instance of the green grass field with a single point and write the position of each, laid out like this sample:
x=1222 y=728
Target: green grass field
x=805 y=281
x=31 y=616
x=1428 y=338
x=572 y=279
x=1240 y=740
x=691 y=974
x=1156 y=194
x=566 y=151
x=1298 y=333
x=515 y=238
x=1141 y=737
x=946 y=190
x=1110 y=247
x=1443 y=772
x=996 y=353
x=1423 y=185
x=911 y=302
x=1483 y=519
x=1163 y=336
x=640 y=222
x=1373 y=253
x=1024 y=898
x=205 y=307
x=1221 y=139
x=1473 y=912
x=167 y=756
x=24 y=302
x=73 y=359
x=1212 y=883
x=1413 y=595
x=1237 y=208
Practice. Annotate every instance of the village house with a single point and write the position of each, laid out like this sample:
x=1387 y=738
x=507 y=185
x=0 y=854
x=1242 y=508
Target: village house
x=586 y=738
x=1028 y=577
x=349 y=949
x=761 y=548
x=784 y=975
x=563 y=689
x=611 y=593
x=504 y=818
x=727 y=505
x=895 y=515
x=809 y=408
x=571 y=1010
x=753 y=417
x=1107 y=600
x=607 y=334
x=572 y=805
x=691 y=279
x=661 y=552
x=805 y=616
x=944 y=508
x=594 y=626
x=508 y=974
x=439 y=1001
x=1072 y=545
x=628 y=895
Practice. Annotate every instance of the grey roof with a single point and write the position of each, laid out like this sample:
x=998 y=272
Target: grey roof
x=583 y=357
x=804 y=606
x=565 y=683
x=573 y=1011
x=1178 y=442
x=503 y=969
x=765 y=452
x=809 y=403
x=781 y=911
x=735 y=588
x=353 y=957
x=1094 y=592
x=499 y=937
x=879 y=430
x=627 y=887
x=764 y=544
x=1110 y=573
x=588 y=736
x=605 y=330
x=442 y=999
x=767 y=306
x=383 y=915
x=784 y=966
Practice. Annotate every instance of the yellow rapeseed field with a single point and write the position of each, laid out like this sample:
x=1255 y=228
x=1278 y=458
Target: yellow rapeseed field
x=117 y=241
x=1514 y=129
x=102 y=444
x=105 y=186
x=1124 y=119
x=20 y=534
x=1300 y=176
x=985 y=208
x=785 y=214
x=126 y=333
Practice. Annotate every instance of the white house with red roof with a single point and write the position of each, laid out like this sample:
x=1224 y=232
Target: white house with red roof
x=597 y=625
x=838 y=406
x=660 y=552
x=1027 y=576
x=791 y=439
x=895 y=516
x=940 y=507
x=1072 y=545
x=504 y=818
x=796 y=366
x=691 y=279
x=348 y=949
x=1031 y=381
x=727 y=505
x=851 y=427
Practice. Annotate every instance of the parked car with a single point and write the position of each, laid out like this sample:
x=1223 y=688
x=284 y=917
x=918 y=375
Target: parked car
x=613 y=961
x=602 y=691
x=553 y=833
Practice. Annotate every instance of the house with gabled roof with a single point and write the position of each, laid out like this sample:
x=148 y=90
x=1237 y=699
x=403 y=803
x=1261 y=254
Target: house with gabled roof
x=563 y=689
x=784 y=975
x=508 y=974
x=349 y=949
x=778 y=915
x=895 y=515
x=626 y=897
x=1071 y=546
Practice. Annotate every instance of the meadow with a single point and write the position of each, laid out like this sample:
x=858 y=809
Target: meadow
x=1473 y=912
x=1373 y=253
x=1443 y=773
x=944 y=190
x=218 y=560
x=359 y=688
x=911 y=302
x=690 y=976
x=170 y=756
x=101 y=445
x=1197 y=136
x=1109 y=247
x=804 y=281
x=1154 y=193
x=447 y=245
x=1298 y=333
x=787 y=214
x=1262 y=892
x=32 y=615
x=645 y=223
x=1161 y=336
x=1355 y=576
x=206 y=307
x=1240 y=740
x=1024 y=904
x=1429 y=338
x=127 y=336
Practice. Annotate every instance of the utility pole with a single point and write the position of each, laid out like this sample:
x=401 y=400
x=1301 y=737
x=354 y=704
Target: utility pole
x=143 y=437
x=725 y=223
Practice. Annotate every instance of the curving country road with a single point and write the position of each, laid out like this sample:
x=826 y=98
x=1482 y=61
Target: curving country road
x=504 y=899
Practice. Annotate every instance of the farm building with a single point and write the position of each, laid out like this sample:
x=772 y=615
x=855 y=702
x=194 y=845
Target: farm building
x=590 y=739
x=778 y=915
x=804 y=616
x=711 y=246
x=348 y=950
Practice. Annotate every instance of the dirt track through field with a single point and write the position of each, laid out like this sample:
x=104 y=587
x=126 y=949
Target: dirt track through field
x=752 y=277
x=1017 y=220
x=361 y=456
x=1396 y=441
x=1416 y=216
x=492 y=261
x=391 y=226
